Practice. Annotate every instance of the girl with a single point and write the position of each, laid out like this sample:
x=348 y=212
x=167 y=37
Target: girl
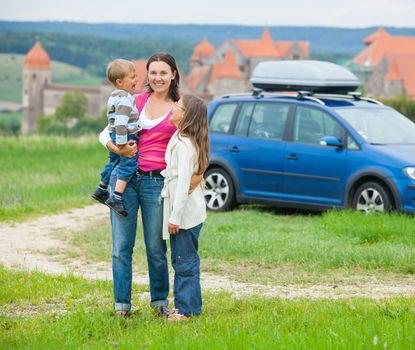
x=187 y=154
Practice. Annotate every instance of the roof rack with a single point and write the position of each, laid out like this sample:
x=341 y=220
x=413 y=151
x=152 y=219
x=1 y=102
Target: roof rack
x=305 y=95
x=308 y=95
x=355 y=95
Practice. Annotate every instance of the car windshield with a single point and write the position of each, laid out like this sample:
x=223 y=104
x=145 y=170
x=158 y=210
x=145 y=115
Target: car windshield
x=381 y=126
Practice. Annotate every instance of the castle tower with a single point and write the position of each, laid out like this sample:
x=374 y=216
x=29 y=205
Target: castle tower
x=36 y=75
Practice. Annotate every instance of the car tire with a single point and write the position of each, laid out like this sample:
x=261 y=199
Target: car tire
x=372 y=197
x=219 y=192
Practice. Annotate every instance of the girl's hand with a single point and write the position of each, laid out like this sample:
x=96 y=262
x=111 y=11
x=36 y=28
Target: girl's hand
x=173 y=229
x=195 y=181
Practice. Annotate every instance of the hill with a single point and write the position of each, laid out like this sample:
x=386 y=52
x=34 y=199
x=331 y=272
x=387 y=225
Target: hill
x=11 y=76
x=322 y=39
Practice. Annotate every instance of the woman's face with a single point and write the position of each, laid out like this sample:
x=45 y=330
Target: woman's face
x=160 y=76
x=178 y=112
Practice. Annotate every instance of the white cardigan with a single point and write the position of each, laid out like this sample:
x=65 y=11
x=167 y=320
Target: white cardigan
x=180 y=208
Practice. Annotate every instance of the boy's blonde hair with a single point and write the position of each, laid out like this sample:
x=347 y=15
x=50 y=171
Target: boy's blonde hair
x=118 y=69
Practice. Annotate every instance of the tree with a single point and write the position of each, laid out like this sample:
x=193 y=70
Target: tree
x=73 y=106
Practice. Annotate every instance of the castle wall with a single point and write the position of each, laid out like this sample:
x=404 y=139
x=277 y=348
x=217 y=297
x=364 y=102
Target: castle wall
x=225 y=85
x=53 y=95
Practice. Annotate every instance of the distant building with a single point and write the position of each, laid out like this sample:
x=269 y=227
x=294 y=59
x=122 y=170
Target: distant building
x=41 y=97
x=386 y=66
x=214 y=72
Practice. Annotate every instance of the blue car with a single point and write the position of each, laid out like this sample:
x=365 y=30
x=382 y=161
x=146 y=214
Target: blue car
x=320 y=149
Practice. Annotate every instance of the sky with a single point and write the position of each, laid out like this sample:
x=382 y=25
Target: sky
x=348 y=14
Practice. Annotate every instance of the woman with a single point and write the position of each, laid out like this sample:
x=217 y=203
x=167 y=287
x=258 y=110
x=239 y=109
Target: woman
x=187 y=154
x=143 y=190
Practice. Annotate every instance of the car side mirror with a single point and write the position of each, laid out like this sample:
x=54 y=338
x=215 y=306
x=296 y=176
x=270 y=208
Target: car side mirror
x=331 y=141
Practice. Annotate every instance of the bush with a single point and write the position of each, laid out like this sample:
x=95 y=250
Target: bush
x=403 y=104
x=10 y=123
x=77 y=127
x=70 y=118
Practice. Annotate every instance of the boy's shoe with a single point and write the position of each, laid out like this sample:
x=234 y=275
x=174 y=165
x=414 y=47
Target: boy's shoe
x=116 y=205
x=163 y=311
x=100 y=195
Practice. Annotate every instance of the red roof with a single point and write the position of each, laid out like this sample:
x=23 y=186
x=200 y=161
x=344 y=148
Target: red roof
x=196 y=76
x=266 y=47
x=37 y=58
x=402 y=67
x=202 y=50
x=229 y=68
x=381 y=32
x=383 y=44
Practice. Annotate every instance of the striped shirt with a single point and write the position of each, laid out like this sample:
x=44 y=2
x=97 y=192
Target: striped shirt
x=152 y=143
x=122 y=115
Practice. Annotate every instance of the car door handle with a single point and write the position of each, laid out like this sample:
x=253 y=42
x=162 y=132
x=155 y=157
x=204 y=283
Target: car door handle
x=292 y=156
x=234 y=149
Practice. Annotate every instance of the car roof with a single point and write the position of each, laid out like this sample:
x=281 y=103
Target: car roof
x=304 y=97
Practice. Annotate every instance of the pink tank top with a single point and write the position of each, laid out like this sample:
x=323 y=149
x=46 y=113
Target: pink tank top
x=153 y=142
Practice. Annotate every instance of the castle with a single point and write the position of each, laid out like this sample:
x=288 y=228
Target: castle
x=213 y=72
x=386 y=65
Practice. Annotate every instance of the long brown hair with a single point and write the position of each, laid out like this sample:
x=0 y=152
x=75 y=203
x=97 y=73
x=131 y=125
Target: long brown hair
x=194 y=125
x=174 y=92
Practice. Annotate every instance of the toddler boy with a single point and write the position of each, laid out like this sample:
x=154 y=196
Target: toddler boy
x=123 y=125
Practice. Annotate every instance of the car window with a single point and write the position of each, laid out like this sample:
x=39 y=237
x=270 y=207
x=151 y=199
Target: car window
x=312 y=124
x=268 y=120
x=222 y=118
x=244 y=118
x=351 y=143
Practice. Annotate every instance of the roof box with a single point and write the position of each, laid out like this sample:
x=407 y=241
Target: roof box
x=314 y=76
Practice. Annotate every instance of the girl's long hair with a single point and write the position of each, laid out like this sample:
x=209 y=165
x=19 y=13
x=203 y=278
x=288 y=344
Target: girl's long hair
x=194 y=125
x=174 y=93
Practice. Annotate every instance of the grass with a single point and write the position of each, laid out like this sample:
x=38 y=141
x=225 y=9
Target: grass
x=258 y=244
x=43 y=175
x=66 y=312
x=62 y=73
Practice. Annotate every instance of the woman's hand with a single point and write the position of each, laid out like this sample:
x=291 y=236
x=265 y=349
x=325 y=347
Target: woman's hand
x=128 y=150
x=195 y=181
x=173 y=229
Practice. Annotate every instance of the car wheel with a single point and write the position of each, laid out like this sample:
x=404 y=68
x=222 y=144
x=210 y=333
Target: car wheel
x=372 y=197
x=219 y=192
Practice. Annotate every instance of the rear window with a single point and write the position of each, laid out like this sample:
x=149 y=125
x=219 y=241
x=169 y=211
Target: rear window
x=222 y=117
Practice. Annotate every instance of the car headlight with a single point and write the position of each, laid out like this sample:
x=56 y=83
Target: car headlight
x=410 y=172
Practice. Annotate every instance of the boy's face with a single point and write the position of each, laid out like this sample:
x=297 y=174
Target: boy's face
x=127 y=83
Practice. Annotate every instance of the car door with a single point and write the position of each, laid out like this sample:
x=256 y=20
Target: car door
x=314 y=173
x=257 y=148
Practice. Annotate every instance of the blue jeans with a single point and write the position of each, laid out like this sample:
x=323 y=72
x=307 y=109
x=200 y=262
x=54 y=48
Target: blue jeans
x=186 y=264
x=126 y=166
x=141 y=192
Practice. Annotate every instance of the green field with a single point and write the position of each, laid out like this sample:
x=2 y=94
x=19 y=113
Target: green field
x=62 y=73
x=251 y=244
x=47 y=174
x=71 y=313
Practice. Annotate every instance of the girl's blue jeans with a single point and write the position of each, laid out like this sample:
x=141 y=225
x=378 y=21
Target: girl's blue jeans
x=186 y=264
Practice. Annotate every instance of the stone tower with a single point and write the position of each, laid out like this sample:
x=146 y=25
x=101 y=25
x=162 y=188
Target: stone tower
x=36 y=75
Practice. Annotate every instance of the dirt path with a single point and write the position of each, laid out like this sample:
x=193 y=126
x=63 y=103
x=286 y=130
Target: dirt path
x=30 y=246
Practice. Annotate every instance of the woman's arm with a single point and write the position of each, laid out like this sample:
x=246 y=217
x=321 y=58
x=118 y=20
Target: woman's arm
x=128 y=150
x=195 y=181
